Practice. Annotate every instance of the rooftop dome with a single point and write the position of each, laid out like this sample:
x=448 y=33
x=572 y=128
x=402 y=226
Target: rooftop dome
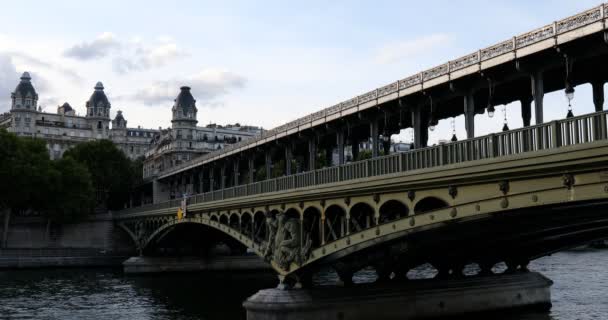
x=98 y=99
x=119 y=115
x=66 y=107
x=185 y=99
x=25 y=87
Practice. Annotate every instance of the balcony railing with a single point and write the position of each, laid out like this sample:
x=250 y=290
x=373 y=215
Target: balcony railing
x=551 y=135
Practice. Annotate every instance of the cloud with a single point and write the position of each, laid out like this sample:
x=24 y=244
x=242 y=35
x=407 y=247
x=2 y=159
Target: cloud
x=144 y=57
x=98 y=48
x=207 y=86
x=404 y=50
x=128 y=56
x=37 y=63
x=9 y=78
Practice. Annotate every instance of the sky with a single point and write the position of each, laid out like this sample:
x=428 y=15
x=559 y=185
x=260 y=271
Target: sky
x=259 y=63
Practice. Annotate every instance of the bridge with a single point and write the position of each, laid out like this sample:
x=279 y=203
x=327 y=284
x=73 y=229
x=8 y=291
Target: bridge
x=510 y=196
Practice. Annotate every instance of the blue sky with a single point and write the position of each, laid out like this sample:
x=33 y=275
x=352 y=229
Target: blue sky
x=259 y=63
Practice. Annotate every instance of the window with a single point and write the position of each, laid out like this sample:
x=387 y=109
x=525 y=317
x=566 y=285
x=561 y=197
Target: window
x=131 y=149
x=99 y=125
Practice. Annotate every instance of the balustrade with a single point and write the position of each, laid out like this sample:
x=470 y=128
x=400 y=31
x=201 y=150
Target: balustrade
x=576 y=130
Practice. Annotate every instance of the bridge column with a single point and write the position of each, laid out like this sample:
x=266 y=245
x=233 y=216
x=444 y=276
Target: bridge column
x=373 y=132
x=223 y=176
x=211 y=180
x=420 y=128
x=251 y=165
x=355 y=149
x=526 y=110
x=268 y=164
x=312 y=154
x=340 y=146
x=235 y=171
x=201 y=180
x=288 y=159
x=538 y=93
x=598 y=95
x=469 y=115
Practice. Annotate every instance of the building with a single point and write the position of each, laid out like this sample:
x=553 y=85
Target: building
x=185 y=141
x=162 y=148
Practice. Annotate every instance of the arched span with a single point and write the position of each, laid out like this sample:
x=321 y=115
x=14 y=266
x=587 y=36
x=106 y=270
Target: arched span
x=429 y=204
x=361 y=217
x=392 y=210
x=259 y=227
x=312 y=225
x=335 y=223
x=224 y=219
x=235 y=221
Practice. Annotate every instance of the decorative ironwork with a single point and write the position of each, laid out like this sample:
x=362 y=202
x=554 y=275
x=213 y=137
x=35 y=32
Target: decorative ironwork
x=388 y=89
x=411 y=195
x=304 y=120
x=318 y=115
x=579 y=20
x=436 y=72
x=568 y=180
x=496 y=50
x=349 y=103
x=503 y=186
x=534 y=36
x=333 y=109
x=369 y=96
x=464 y=62
x=453 y=191
x=410 y=81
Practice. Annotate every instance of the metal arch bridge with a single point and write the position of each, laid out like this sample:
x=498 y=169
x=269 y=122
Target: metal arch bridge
x=511 y=196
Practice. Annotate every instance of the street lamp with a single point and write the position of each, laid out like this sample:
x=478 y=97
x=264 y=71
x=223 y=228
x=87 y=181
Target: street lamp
x=570 y=96
x=454 y=138
x=490 y=110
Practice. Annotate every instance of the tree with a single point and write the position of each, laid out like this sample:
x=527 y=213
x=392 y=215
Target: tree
x=73 y=194
x=111 y=171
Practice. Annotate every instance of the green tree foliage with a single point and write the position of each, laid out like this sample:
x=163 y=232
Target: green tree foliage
x=111 y=171
x=72 y=191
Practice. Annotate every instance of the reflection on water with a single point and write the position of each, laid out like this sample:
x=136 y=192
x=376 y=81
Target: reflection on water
x=580 y=292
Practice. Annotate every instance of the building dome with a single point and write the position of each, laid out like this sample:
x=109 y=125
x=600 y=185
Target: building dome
x=119 y=121
x=25 y=87
x=66 y=107
x=98 y=100
x=185 y=100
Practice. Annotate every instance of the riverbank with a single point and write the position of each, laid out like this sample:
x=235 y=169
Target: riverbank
x=59 y=257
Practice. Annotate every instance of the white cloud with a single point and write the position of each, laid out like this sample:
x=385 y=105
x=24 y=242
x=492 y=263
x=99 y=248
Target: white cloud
x=98 y=48
x=9 y=78
x=128 y=56
x=207 y=86
x=409 y=49
x=143 y=57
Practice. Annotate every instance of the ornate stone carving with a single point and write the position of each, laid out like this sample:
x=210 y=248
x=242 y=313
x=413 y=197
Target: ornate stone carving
x=411 y=195
x=534 y=36
x=464 y=62
x=388 y=89
x=453 y=191
x=286 y=244
x=579 y=20
x=369 y=96
x=436 y=72
x=503 y=186
x=568 y=180
x=410 y=81
x=497 y=50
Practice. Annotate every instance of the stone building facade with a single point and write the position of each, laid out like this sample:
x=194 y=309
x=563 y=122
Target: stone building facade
x=162 y=148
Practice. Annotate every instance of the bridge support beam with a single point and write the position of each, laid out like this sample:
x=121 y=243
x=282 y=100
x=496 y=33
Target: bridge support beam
x=538 y=93
x=236 y=173
x=223 y=176
x=421 y=134
x=374 y=135
x=598 y=95
x=469 y=115
x=526 y=110
x=251 y=165
x=268 y=164
x=288 y=159
x=340 y=146
x=312 y=154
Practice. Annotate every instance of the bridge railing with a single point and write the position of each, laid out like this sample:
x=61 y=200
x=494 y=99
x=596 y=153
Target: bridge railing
x=555 y=134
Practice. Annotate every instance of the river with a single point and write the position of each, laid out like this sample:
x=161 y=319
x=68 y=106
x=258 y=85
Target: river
x=580 y=292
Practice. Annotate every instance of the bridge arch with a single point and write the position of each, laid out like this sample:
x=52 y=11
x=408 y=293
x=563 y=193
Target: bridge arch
x=311 y=225
x=335 y=223
x=392 y=210
x=259 y=227
x=362 y=216
x=247 y=223
x=235 y=221
x=429 y=204
x=224 y=219
x=214 y=218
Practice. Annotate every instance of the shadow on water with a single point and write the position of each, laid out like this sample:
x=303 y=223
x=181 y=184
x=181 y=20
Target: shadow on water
x=579 y=292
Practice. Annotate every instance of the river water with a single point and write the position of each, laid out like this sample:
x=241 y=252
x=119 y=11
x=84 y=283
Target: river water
x=580 y=292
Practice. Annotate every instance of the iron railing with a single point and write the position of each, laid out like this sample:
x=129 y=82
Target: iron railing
x=551 y=135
